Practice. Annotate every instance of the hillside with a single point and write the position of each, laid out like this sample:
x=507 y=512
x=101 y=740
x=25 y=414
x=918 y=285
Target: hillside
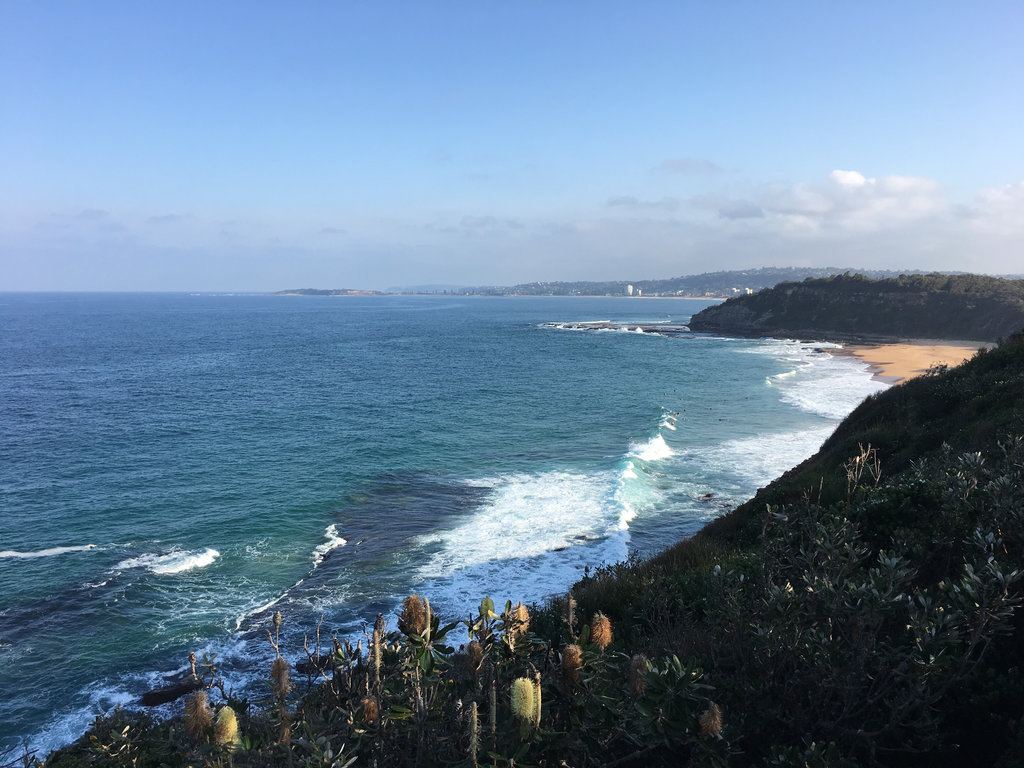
x=933 y=306
x=722 y=284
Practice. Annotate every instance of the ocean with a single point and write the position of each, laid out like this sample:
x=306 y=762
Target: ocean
x=175 y=468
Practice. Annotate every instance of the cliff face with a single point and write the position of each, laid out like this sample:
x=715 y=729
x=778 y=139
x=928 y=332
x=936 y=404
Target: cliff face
x=850 y=307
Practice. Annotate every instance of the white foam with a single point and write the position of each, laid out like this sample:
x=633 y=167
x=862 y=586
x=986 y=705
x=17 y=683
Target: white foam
x=754 y=461
x=823 y=384
x=532 y=538
x=526 y=515
x=654 y=449
x=174 y=561
x=333 y=542
x=46 y=552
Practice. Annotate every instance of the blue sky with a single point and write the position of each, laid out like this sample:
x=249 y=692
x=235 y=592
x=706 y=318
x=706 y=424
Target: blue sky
x=257 y=146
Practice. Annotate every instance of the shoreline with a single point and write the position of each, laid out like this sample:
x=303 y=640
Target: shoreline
x=894 y=363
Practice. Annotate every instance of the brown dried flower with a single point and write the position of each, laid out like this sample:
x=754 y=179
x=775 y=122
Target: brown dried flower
x=280 y=673
x=198 y=717
x=638 y=665
x=413 y=619
x=475 y=652
x=520 y=621
x=371 y=709
x=572 y=660
x=601 y=630
x=711 y=721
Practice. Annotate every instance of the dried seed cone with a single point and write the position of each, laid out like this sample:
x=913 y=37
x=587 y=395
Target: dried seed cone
x=522 y=699
x=413 y=619
x=601 y=630
x=371 y=709
x=474 y=733
x=711 y=721
x=280 y=673
x=475 y=652
x=520 y=620
x=225 y=731
x=537 y=698
x=198 y=717
x=572 y=660
x=570 y=613
x=638 y=665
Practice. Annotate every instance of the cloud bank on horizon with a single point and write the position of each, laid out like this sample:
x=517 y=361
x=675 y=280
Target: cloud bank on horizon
x=175 y=147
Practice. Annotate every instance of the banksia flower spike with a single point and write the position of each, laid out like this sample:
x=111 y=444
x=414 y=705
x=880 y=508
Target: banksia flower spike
x=492 y=715
x=601 y=630
x=536 y=699
x=474 y=734
x=225 y=731
x=638 y=665
x=379 y=627
x=711 y=722
x=520 y=620
x=413 y=619
x=371 y=709
x=570 y=614
x=572 y=660
x=522 y=693
x=280 y=673
x=475 y=652
x=198 y=717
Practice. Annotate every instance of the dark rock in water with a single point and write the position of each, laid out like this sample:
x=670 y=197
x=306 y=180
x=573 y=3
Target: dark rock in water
x=159 y=696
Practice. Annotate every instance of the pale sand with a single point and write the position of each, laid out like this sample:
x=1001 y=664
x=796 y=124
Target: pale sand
x=894 y=363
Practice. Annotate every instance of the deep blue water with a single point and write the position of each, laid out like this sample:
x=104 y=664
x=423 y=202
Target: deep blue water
x=174 y=468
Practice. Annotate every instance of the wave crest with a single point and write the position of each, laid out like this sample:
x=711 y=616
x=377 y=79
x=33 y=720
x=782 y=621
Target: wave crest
x=174 y=561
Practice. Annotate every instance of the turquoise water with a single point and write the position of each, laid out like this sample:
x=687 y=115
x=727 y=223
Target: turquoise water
x=175 y=468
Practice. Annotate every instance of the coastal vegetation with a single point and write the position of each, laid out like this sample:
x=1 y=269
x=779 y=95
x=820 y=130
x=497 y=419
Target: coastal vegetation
x=864 y=609
x=853 y=306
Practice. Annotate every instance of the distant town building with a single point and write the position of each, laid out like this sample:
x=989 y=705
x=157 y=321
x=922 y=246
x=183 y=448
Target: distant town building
x=639 y=292
x=629 y=290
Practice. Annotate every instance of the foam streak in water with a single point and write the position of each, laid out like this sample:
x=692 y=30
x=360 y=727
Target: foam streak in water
x=174 y=561
x=46 y=552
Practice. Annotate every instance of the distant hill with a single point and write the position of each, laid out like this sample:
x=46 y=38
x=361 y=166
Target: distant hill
x=932 y=306
x=326 y=292
x=720 y=285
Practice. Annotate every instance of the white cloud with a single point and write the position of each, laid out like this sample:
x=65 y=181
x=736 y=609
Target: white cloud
x=848 y=178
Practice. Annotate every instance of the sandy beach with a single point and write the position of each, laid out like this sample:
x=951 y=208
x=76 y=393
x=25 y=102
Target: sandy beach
x=894 y=363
